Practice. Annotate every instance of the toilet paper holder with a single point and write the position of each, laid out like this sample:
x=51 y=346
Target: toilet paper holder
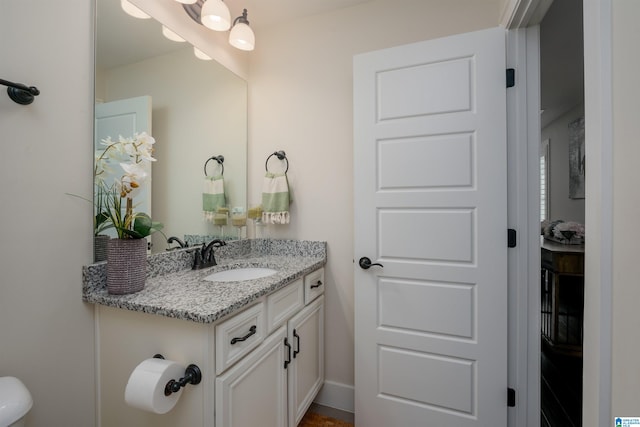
x=192 y=375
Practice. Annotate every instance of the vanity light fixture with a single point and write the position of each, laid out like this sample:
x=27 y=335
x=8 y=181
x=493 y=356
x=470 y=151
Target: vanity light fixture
x=132 y=10
x=171 y=35
x=187 y=1
x=215 y=15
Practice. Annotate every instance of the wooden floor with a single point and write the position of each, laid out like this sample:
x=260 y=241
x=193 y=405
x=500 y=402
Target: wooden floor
x=316 y=420
x=323 y=416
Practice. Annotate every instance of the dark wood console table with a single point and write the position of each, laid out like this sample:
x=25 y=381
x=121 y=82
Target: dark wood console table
x=562 y=309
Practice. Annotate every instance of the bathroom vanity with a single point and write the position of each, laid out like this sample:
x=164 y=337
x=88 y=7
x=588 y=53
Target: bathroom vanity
x=258 y=342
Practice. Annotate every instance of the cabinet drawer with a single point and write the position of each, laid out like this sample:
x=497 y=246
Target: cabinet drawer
x=239 y=335
x=313 y=285
x=284 y=303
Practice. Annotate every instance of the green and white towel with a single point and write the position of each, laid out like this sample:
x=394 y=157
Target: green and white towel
x=213 y=196
x=276 y=199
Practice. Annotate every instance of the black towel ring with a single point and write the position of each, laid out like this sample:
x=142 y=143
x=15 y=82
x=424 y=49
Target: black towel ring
x=281 y=156
x=219 y=159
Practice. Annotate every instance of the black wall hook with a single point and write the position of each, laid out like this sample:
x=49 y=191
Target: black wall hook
x=21 y=94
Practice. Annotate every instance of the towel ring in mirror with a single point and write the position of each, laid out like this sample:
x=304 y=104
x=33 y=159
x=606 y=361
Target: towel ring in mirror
x=219 y=159
x=281 y=156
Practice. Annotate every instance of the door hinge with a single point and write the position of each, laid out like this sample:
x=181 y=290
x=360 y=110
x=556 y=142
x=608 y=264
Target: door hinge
x=511 y=238
x=511 y=77
x=511 y=397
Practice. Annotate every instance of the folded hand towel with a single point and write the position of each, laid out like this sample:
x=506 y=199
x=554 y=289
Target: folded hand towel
x=213 y=196
x=275 y=199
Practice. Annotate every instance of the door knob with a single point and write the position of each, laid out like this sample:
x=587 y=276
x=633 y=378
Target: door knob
x=365 y=263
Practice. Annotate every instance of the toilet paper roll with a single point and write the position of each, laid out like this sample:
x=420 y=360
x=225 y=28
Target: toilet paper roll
x=145 y=388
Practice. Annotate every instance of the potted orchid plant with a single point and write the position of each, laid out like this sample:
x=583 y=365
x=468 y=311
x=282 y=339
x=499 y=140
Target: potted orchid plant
x=119 y=176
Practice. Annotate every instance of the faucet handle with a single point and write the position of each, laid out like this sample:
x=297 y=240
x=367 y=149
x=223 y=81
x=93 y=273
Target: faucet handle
x=180 y=242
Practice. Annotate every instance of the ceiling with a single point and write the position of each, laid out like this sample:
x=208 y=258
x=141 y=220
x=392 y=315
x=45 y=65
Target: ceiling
x=122 y=40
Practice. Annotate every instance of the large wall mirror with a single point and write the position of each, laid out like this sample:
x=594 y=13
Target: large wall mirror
x=198 y=109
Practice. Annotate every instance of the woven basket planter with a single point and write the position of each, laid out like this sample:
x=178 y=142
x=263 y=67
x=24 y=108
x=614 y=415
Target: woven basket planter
x=100 y=247
x=126 y=265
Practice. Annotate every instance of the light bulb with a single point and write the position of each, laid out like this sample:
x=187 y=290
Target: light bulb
x=132 y=10
x=242 y=37
x=215 y=15
x=200 y=54
x=171 y=35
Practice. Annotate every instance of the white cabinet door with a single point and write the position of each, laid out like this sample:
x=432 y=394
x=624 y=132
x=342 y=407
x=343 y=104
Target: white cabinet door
x=254 y=391
x=306 y=370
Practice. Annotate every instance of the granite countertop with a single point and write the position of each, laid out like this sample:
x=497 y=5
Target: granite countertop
x=182 y=293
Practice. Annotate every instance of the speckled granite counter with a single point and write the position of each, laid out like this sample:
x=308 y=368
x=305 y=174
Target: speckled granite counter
x=174 y=290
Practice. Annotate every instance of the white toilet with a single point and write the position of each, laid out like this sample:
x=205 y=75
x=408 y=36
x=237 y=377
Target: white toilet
x=15 y=402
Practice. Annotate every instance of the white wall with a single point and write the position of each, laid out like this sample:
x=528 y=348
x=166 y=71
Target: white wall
x=626 y=210
x=46 y=331
x=560 y=205
x=300 y=100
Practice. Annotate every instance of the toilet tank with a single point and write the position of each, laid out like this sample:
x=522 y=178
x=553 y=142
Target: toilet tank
x=15 y=401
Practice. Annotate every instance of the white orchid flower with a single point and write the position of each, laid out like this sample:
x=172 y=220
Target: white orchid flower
x=144 y=146
x=145 y=139
x=134 y=176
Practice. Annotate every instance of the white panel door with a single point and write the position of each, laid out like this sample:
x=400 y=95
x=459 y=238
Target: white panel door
x=124 y=118
x=430 y=206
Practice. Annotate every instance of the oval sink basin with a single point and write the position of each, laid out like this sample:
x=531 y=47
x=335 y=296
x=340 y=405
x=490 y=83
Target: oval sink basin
x=240 y=274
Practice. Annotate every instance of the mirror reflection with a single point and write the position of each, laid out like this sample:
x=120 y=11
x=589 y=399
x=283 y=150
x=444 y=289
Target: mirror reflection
x=194 y=109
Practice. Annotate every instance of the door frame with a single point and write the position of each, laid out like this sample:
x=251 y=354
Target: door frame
x=521 y=18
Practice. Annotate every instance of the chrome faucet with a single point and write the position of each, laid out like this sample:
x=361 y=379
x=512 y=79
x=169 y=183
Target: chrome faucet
x=205 y=257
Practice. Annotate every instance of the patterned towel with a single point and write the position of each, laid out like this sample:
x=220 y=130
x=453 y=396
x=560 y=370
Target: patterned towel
x=213 y=196
x=275 y=199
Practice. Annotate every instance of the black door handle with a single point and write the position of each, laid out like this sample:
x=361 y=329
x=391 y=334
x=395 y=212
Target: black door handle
x=365 y=263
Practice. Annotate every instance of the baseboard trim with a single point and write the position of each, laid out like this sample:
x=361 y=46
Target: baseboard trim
x=336 y=395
